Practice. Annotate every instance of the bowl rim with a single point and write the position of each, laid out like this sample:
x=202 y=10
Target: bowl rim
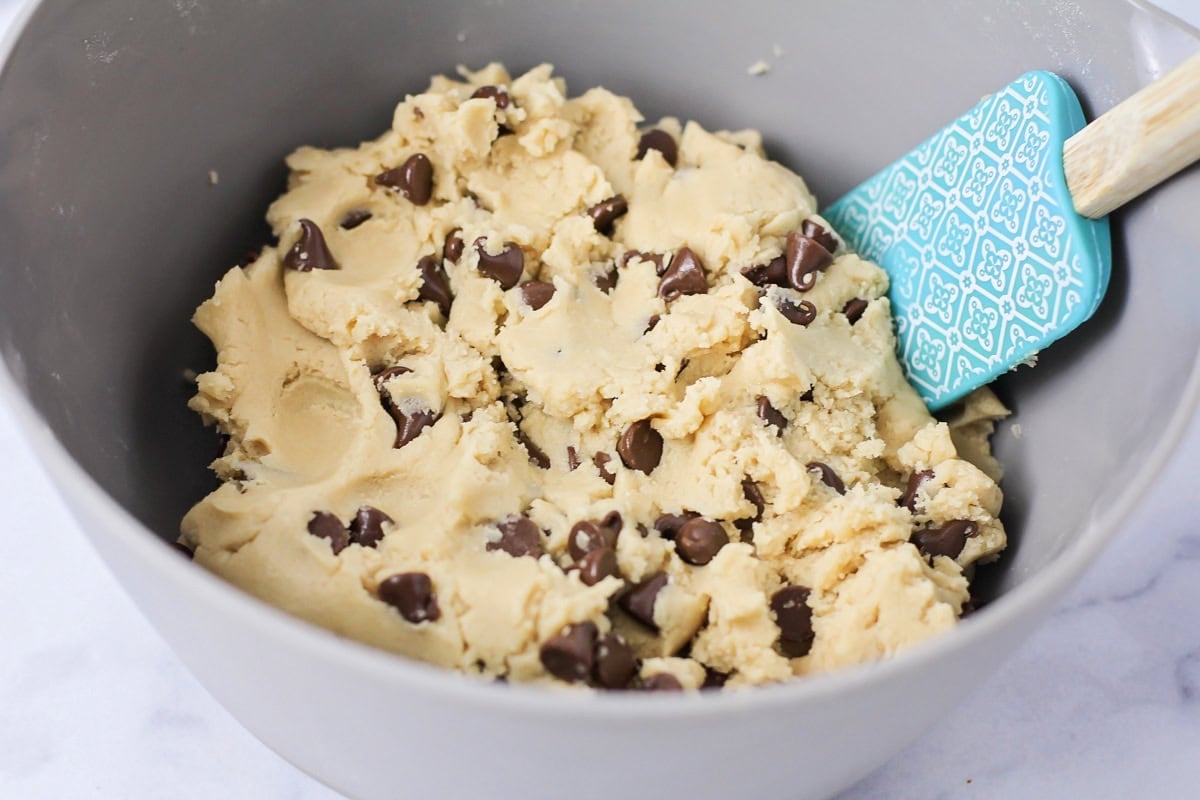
x=1031 y=598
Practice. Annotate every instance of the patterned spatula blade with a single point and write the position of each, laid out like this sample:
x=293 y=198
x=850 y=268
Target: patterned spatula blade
x=987 y=258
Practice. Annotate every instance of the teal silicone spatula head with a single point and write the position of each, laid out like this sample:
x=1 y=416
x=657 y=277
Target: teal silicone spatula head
x=988 y=260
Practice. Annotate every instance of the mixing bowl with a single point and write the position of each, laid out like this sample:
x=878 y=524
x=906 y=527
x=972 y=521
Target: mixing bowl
x=140 y=144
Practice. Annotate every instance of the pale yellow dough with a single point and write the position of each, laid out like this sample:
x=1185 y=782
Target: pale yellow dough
x=293 y=390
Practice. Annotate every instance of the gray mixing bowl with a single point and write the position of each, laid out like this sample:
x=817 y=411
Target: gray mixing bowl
x=113 y=113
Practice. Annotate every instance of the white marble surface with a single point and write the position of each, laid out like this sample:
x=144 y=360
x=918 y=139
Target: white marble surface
x=1104 y=702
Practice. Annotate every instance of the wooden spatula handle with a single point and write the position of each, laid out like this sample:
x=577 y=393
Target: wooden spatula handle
x=1137 y=144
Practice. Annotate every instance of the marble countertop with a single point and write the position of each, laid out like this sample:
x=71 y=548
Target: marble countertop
x=1103 y=702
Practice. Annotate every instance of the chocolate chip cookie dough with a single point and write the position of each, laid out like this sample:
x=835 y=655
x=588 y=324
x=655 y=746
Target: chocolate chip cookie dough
x=533 y=390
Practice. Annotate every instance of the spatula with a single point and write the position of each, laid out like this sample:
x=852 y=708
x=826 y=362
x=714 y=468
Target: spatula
x=994 y=232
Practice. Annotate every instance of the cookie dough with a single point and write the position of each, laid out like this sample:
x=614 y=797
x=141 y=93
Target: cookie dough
x=534 y=391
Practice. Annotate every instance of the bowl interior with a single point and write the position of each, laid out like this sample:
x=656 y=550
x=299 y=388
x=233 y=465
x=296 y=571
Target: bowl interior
x=140 y=148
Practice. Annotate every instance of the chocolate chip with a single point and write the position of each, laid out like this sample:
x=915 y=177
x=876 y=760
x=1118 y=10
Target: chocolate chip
x=519 y=536
x=915 y=482
x=353 y=218
x=495 y=93
x=598 y=565
x=452 y=249
x=414 y=179
x=411 y=593
x=639 y=601
x=435 y=285
x=536 y=293
x=802 y=313
x=773 y=273
x=807 y=397
x=948 y=540
x=366 y=528
x=569 y=655
x=699 y=540
x=771 y=415
x=794 y=618
x=310 y=251
x=573 y=461
x=590 y=534
x=661 y=682
x=640 y=447
x=752 y=494
x=601 y=461
x=505 y=267
x=805 y=258
x=183 y=550
x=606 y=281
x=654 y=258
x=685 y=275
x=324 y=525
x=650 y=323
x=384 y=375
x=828 y=476
x=668 y=525
x=612 y=520
x=409 y=426
x=614 y=662
x=854 y=309
x=660 y=140
x=536 y=454
x=605 y=213
x=814 y=230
